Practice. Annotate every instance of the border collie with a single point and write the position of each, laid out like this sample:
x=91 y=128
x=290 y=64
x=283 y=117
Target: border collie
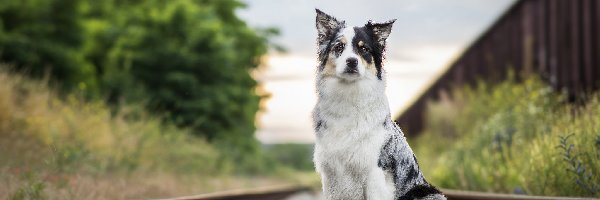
x=360 y=153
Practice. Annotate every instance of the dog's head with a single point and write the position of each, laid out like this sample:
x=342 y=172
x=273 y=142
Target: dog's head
x=350 y=53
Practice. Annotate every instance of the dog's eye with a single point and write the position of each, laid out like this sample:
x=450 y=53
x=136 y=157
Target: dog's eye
x=364 y=49
x=339 y=47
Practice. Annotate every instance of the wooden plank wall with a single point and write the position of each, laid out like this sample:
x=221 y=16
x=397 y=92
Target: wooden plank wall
x=558 y=39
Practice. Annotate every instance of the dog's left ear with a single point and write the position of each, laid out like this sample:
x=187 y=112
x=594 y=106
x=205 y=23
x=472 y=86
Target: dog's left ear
x=381 y=31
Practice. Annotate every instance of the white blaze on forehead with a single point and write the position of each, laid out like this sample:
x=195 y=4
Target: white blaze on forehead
x=347 y=34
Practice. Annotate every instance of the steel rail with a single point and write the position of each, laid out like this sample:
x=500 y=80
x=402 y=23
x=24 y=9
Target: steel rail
x=283 y=192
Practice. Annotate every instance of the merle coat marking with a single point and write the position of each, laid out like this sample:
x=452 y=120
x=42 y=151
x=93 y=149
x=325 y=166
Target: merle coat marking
x=359 y=152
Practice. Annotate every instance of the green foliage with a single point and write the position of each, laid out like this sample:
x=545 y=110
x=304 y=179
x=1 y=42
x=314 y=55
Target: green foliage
x=295 y=156
x=583 y=178
x=511 y=137
x=186 y=60
x=189 y=60
x=32 y=189
x=70 y=148
x=41 y=36
x=72 y=136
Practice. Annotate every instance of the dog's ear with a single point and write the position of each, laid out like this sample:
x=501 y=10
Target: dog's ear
x=381 y=31
x=326 y=25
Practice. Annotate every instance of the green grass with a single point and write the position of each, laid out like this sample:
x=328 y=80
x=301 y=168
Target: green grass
x=57 y=147
x=512 y=138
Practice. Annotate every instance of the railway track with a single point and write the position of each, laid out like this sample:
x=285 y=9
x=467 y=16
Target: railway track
x=305 y=193
x=265 y=193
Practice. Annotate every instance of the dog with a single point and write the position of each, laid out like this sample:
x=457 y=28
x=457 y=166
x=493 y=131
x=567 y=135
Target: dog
x=360 y=153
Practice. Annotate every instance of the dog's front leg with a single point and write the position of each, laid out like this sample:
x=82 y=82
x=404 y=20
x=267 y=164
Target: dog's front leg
x=379 y=186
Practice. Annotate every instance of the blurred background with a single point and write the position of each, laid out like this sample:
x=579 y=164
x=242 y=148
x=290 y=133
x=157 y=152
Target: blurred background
x=416 y=53
x=153 y=99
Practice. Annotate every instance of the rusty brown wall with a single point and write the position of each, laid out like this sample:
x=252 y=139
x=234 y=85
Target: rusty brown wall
x=557 y=39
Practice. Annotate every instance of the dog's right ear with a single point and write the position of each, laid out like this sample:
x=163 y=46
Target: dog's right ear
x=326 y=26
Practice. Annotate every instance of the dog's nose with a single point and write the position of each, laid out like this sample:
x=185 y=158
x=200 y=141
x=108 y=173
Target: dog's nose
x=351 y=62
x=351 y=65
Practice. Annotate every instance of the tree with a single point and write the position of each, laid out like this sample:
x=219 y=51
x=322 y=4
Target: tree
x=187 y=60
x=46 y=36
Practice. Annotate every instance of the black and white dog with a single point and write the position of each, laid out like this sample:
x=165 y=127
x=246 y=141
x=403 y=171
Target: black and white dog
x=360 y=152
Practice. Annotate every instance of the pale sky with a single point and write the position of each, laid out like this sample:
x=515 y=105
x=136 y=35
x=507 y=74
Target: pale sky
x=426 y=37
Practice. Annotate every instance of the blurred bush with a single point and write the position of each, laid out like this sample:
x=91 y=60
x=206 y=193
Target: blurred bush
x=187 y=60
x=50 y=147
x=66 y=147
x=513 y=137
x=40 y=131
x=294 y=156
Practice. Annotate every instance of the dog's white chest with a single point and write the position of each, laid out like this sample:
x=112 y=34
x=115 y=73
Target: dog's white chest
x=350 y=145
x=347 y=162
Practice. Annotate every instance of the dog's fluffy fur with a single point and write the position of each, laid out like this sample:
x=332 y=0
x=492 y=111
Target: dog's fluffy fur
x=360 y=152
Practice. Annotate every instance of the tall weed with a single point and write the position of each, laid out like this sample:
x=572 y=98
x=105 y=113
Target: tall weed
x=507 y=138
x=61 y=147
